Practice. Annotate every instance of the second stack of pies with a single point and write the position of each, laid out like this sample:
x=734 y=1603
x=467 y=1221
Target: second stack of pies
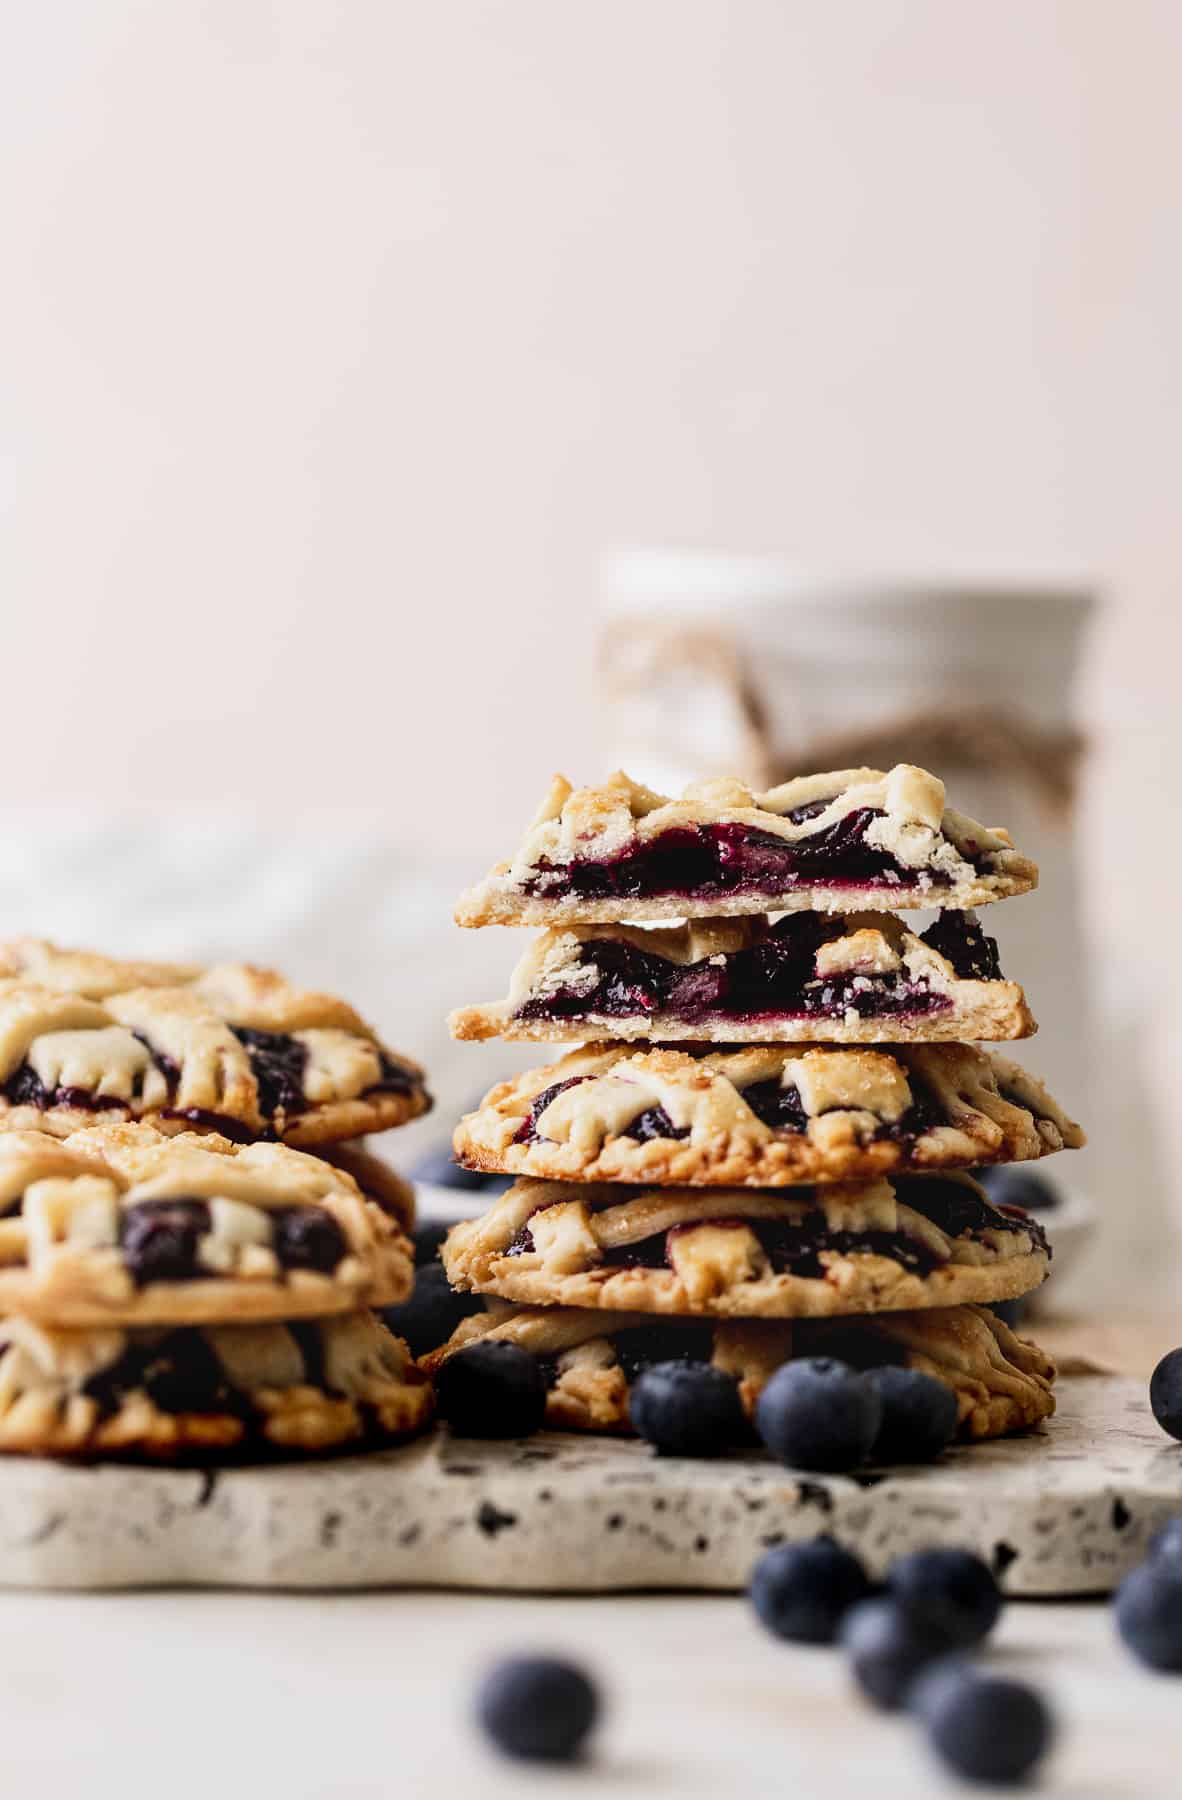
x=759 y=1148
x=177 y=1279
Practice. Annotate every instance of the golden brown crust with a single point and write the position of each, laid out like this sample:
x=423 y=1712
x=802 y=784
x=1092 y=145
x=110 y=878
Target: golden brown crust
x=86 y=1393
x=85 y=1037
x=1002 y=1382
x=63 y=1261
x=862 y=947
x=955 y=861
x=873 y=1249
x=856 y=1103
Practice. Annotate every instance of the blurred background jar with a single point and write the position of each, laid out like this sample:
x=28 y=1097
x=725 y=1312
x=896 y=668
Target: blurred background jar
x=713 y=664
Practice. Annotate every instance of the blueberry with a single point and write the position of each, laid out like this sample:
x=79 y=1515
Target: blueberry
x=1007 y=1185
x=1165 y=1393
x=803 y=1591
x=1166 y=1544
x=427 y=1319
x=919 y=1415
x=984 y=1727
x=688 y=1409
x=308 y=1237
x=428 y=1236
x=537 y=1707
x=440 y=1168
x=887 y=1649
x=1148 y=1610
x=491 y=1390
x=818 y=1414
x=950 y=1594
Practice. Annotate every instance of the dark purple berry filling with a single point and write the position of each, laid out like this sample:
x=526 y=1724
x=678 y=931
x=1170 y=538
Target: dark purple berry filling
x=527 y=1132
x=278 y=1062
x=307 y=1237
x=704 y=862
x=655 y=1122
x=179 y=1373
x=161 y=1239
x=774 y=978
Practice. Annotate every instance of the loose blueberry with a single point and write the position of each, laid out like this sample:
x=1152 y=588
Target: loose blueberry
x=1148 y=1610
x=160 y=1239
x=688 y=1409
x=1165 y=1393
x=427 y=1319
x=491 y=1390
x=1166 y=1544
x=985 y=1728
x=441 y=1169
x=307 y=1237
x=803 y=1591
x=428 y=1236
x=1007 y=1185
x=919 y=1415
x=950 y=1594
x=887 y=1649
x=818 y=1414
x=537 y=1707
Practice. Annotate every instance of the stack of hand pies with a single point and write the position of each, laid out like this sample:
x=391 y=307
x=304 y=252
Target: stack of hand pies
x=758 y=1149
x=189 y=1248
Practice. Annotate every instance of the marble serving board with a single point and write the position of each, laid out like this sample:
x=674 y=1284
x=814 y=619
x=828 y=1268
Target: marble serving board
x=1066 y=1511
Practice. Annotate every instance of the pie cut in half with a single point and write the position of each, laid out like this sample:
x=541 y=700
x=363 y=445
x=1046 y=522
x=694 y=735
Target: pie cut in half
x=762 y=1115
x=230 y=1048
x=230 y=1391
x=122 y=1225
x=857 y=1247
x=1002 y=1382
x=852 y=979
x=856 y=838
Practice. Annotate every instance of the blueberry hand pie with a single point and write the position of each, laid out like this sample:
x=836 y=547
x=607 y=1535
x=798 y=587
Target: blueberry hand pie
x=120 y=1224
x=852 y=979
x=825 y=843
x=232 y=1049
x=762 y=1115
x=224 y=1390
x=856 y=1247
x=1002 y=1382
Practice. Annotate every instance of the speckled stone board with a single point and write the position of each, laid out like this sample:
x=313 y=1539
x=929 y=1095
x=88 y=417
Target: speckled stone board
x=1066 y=1511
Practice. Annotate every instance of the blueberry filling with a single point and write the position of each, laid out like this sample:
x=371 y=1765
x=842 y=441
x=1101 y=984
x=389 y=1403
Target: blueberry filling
x=25 y=1088
x=654 y=1122
x=278 y=1062
x=774 y=978
x=161 y=1239
x=707 y=861
x=527 y=1132
x=179 y=1373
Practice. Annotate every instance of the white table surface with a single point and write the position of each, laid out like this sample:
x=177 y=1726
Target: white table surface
x=298 y=1696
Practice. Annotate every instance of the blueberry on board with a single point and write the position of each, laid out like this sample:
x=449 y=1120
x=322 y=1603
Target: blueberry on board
x=537 y=1707
x=427 y=1318
x=887 y=1650
x=1008 y=1185
x=1165 y=1393
x=919 y=1415
x=687 y=1409
x=950 y=1594
x=984 y=1727
x=803 y=1591
x=491 y=1389
x=817 y=1413
x=1166 y=1543
x=1148 y=1610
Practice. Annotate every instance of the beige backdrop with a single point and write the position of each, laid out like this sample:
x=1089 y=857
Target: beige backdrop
x=338 y=340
